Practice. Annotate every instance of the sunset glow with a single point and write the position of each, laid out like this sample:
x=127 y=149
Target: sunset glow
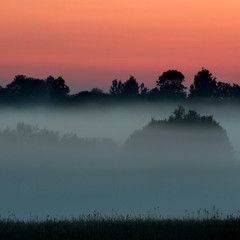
x=91 y=42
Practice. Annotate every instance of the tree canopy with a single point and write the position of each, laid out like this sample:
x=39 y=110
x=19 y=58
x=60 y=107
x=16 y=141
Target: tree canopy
x=182 y=118
x=183 y=136
x=204 y=85
x=170 y=84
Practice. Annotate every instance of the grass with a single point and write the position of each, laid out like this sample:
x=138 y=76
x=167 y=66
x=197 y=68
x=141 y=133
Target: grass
x=210 y=225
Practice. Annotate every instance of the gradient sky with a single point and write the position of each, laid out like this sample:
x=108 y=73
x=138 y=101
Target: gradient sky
x=91 y=42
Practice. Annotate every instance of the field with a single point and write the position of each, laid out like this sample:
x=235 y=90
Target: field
x=96 y=227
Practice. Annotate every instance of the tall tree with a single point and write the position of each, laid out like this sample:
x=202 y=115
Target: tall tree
x=116 y=87
x=130 y=87
x=224 y=91
x=236 y=91
x=170 y=84
x=143 y=90
x=29 y=89
x=57 y=87
x=204 y=85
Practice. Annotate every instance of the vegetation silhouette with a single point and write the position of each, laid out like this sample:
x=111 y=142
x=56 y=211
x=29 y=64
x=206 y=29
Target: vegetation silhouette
x=26 y=89
x=29 y=136
x=183 y=137
x=204 y=85
x=57 y=88
x=170 y=86
x=96 y=226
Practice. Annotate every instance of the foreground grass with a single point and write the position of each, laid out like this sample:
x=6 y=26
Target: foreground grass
x=124 y=228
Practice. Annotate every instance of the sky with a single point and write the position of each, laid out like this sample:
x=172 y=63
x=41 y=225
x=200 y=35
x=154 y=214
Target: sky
x=92 y=42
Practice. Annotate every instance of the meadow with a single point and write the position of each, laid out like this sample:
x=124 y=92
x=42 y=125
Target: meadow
x=97 y=227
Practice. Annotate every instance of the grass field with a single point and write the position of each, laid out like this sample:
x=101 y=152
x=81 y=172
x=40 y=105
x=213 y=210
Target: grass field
x=96 y=227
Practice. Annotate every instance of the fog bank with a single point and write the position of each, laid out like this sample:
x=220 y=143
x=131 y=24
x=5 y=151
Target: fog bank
x=62 y=178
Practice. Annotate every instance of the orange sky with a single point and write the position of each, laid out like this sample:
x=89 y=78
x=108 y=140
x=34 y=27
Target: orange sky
x=91 y=42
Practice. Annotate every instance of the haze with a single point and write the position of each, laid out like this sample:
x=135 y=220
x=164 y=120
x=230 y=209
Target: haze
x=46 y=180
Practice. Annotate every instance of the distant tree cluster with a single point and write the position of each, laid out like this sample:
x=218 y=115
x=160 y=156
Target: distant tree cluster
x=32 y=90
x=29 y=135
x=169 y=86
x=184 y=135
x=182 y=118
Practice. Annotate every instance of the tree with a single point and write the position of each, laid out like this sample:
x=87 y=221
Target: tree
x=224 y=91
x=178 y=114
x=204 y=85
x=57 y=87
x=170 y=84
x=130 y=87
x=154 y=93
x=27 y=89
x=143 y=90
x=116 y=88
x=236 y=91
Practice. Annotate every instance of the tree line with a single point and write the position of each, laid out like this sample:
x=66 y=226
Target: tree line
x=169 y=86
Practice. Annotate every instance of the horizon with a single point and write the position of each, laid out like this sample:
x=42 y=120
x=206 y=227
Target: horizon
x=107 y=89
x=90 y=43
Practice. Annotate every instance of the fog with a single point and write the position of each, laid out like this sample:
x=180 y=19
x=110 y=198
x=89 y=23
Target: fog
x=50 y=173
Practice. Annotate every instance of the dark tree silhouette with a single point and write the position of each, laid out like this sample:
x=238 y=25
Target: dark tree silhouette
x=154 y=93
x=236 y=91
x=29 y=89
x=204 y=85
x=113 y=88
x=170 y=84
x=169 y=87
x=116 y=88
x=191 y=118
x=130 y=87
x=57 y=87
x=224 y=91
x=181 y=118
x=143 y=90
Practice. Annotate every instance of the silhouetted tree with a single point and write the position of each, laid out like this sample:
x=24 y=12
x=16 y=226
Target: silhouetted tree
x=224 y=91
x=143 y=90
x=170 y=84
x=180 y=116
x=25 y=88
x=130 y=87
x=116 y=88
x=236 y=91
x=57 y=87
x=204 y=85
x=154 y=93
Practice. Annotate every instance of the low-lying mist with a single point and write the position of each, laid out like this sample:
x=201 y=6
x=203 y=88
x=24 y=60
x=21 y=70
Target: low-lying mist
x=68 y=162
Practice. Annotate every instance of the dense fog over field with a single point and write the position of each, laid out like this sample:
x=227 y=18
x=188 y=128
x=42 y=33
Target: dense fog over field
x=66 y=162
x=112 y=122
